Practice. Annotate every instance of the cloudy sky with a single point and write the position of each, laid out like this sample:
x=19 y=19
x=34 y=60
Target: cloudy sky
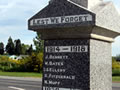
x=15 y=13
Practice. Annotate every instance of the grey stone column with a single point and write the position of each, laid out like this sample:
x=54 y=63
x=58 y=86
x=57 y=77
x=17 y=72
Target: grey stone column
x=100 y=65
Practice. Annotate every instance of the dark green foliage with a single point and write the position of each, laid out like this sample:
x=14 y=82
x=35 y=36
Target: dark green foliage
x=1 y=48
x=39 y=43
x=10 y=47
x=116 y=72
x=24 y=49
x=117 y=58
x=18 y=47
x=33 y=60
x=115 y=66
x=33 y=63
x=30 y=50
x=6 y=64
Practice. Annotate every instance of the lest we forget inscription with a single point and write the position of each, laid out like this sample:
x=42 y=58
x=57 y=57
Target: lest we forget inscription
x=66 y=65
x=61 y=20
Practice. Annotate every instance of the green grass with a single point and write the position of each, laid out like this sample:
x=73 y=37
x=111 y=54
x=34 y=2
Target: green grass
x=116 y=75
x=116 y=78
x=116 y=72
x=39 y=75
x=21 y=74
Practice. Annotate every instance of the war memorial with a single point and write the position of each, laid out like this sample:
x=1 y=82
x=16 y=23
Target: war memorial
x=77 y=38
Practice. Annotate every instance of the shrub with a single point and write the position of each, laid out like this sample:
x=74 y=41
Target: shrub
x=115 y=67
x=116 y=72
x=7 y=64
x=115 y=64
x=33 y=63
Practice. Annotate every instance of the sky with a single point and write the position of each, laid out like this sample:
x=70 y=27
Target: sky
x=14 y=15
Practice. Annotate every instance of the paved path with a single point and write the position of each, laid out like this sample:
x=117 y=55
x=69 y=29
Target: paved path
x=116 y=86
x=21 y=78
x=18 y=83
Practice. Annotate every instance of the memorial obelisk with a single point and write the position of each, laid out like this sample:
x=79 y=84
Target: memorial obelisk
x=77 y=48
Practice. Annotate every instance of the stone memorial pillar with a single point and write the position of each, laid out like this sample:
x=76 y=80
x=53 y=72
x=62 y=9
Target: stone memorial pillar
x=77 y=48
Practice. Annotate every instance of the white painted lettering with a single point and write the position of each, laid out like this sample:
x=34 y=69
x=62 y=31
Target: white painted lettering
x=56 y=57
x=51 y=63
x=53 y=70
x=69 y=77
x=61 y=49
x=61 y=20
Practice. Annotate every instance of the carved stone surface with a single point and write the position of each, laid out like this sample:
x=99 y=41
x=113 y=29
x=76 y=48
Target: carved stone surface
x=66 y=65
x=61 y=14
x=87 y=3
x=100 y=65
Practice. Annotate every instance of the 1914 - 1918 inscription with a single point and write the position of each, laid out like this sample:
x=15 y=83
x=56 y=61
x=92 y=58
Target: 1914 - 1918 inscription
x=66 y=65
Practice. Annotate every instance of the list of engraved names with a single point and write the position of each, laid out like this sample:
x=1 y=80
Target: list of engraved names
x=58 y=71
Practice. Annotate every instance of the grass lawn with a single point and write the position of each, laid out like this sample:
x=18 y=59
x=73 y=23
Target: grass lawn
x=21 y=74
x=116 y=78
x=39 y=75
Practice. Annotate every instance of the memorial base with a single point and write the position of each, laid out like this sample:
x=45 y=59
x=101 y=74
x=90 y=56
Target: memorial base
x=78 y=64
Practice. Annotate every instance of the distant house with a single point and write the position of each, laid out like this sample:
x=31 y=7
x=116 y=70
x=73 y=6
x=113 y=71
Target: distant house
x=14 y=57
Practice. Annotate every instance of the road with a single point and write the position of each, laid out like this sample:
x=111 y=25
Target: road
x=115 y=88
x=13 y=84
x=10 y=84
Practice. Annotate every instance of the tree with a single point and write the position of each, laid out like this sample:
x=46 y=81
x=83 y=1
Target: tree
x=117 y=58
x=39 y=61
x=18 y=47
x=39 y=43
x=30 y=50
x=10 y=46
x=24 y=49
x=1 y=48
